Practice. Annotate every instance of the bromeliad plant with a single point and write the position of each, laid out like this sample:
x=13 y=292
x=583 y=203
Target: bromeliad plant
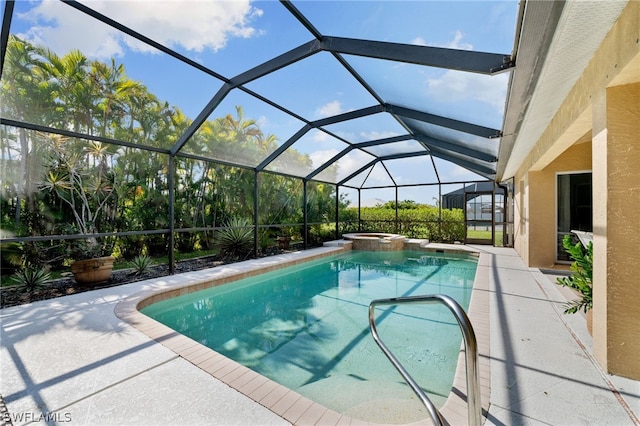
x=582 y=276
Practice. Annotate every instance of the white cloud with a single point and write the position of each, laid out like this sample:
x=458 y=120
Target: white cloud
x=458 y=173
x=319 y=136
x=330 y=109
x=456 y=86
x=374 y=135
x=419 y=41
x=262 y=122
x=352 y=162
x=195 y=26
x=378 y=176
x=321 y=157
x=456 y=43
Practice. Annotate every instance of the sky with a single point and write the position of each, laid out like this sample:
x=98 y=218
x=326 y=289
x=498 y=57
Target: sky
x=231 y=37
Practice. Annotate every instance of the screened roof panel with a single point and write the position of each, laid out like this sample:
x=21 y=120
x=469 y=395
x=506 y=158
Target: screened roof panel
x=395 y=148
x=91 y=86
x=358 y=180
x=450 y=172
x=242 y=130
x=211 y=33
x=367 y=128
x=407 y=59
x=376 y=176
x=451 y=139
x=480 y=169
x=450 y=93
x=317 y=146
x=415 y=170
x=345 y=166
x=316 y=87
x=475 y=25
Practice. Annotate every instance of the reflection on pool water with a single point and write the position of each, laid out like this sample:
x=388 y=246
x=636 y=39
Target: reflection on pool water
x=306 y=327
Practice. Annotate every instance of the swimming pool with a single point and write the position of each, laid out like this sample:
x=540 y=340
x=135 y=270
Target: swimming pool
x=306 y=327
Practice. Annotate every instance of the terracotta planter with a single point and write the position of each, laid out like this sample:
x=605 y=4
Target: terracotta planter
x=92 y=271
x=283 y=242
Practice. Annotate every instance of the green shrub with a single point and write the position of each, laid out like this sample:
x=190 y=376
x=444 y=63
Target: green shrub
x=415 y=221
x=141 y=264
x=581 y=279
x=31 y=278
x=236 y=239
x=265 y=240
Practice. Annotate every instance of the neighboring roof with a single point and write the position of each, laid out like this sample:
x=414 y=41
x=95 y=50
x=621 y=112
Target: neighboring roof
x=475 y=187
x=456 y=199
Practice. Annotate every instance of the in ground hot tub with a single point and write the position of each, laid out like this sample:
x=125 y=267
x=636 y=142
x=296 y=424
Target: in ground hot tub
x=375 y=241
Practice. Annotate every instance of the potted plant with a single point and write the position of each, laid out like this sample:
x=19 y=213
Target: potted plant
x=88 y=188
x=284 y=238
x=581 y=278
x=92 y=262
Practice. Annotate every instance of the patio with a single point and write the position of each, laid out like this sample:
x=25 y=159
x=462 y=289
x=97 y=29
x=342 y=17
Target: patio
x=75 y=360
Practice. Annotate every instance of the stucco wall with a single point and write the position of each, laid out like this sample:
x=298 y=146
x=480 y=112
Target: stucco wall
x=543 y=203
x=603 y=104
x=616 y=62
x=616 y=234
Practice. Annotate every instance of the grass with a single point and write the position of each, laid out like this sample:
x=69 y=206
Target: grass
x=485 y=235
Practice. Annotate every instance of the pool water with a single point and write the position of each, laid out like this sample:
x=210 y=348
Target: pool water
x=306 y=327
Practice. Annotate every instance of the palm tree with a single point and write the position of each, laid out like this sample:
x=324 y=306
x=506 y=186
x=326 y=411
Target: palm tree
x=113 y=89
x=26 y=96
x=74 y=91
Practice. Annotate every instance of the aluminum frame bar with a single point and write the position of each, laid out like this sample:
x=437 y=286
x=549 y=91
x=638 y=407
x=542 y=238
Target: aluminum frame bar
x=439 y=57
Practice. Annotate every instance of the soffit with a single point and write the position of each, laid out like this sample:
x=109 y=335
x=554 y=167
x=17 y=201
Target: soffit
x=580 y=31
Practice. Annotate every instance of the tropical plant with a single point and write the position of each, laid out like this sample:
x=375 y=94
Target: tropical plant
x=581 y=277
x=141 y=264
x=87 y=189
x=31 y=278
x=235 y=240
x=265 y=241
x=415 y=221
x=125 y=187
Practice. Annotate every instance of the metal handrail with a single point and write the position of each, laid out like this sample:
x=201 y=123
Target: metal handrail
x=471 y=354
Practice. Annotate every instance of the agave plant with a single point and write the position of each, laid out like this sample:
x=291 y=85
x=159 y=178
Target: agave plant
x=581 y=277
x=142 y=264
x=236 y=239
x=31 y=278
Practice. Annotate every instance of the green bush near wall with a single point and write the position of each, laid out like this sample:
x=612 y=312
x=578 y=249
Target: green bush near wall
x=413 y=221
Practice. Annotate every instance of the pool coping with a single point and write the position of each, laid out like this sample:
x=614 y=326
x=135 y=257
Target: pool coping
x=285 y=402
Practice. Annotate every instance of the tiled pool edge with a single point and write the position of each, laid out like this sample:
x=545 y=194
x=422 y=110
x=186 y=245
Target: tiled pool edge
x=287 y=403
x=455 y=409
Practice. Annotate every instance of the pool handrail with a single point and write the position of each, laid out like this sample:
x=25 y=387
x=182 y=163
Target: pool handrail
x=471 y=354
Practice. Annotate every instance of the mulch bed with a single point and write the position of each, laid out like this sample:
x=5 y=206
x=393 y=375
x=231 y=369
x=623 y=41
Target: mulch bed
x=13 y=296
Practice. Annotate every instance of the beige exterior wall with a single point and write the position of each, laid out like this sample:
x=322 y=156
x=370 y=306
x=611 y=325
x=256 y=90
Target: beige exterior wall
x=616 y=233
x=542 y=201
x=603 y=105
x=520 y=215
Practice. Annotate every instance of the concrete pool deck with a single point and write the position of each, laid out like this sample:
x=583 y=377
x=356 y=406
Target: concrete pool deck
x=73 y=358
